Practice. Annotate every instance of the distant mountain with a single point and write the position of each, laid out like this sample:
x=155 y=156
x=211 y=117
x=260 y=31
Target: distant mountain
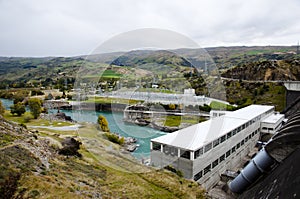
x=140 y=57
x=47 y=71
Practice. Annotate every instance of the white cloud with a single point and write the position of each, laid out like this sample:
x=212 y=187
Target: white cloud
x=56 y=27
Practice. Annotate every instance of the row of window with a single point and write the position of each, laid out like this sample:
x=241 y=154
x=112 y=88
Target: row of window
x=223 y=138
x=224 y=156
x=170 y=150
x=272 y=129
x=268 y=129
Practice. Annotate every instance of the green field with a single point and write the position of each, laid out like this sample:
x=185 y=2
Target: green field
x=108 y=100
x=175 y=120
x=34 y=122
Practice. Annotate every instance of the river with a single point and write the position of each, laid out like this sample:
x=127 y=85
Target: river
x=116 y=124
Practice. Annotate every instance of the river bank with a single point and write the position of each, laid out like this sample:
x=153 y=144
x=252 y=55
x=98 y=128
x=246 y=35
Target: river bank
x=116 y=124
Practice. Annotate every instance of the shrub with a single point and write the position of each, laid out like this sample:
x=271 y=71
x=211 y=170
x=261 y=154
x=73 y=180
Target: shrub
x=2 y=109
x=19 y=96
x=37 y=92
x=103 y=123
x=172 y=107
x=114 y=138
x=35 y=106
x=205 y=108
x=23 y=125
x=179 y=173
x=33 y=194
x=70 y=147
x=18 y=108
x=27 y=117
x=9 y=182
x=172 y=169
x=69 y=97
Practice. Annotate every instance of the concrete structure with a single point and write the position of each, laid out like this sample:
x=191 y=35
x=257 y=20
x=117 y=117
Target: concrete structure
x=292 y=92
x=278 y=163
x=272 y=123
x=187 y=98
x=217 y=113
x=292 y=85
x=205 y=150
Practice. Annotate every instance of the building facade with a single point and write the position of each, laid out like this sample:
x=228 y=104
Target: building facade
x=205 y=150
x=272 y=123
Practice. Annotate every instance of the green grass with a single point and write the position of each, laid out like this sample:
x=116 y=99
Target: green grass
x=6 y=139
x=176 y=120
x=172 y=120
x=107 y=74
x=245 y=93
x=34 y=122
x=102 y=169
x=220 y=106
x=108 y=100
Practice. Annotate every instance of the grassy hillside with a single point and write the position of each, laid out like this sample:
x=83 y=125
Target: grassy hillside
x=32 y=168
x=245 y=93
x=169 y=71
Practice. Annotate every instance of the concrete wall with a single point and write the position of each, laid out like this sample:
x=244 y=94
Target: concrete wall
x=159 y=159
x=292 y=85
x=291 y=96
x=191 y=167
x=293 y=91
x=212 y=178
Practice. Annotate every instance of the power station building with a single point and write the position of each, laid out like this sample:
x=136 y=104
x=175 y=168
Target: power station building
x=206 y=150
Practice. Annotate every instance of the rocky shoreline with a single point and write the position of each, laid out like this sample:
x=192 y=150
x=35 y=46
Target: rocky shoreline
x=130 y=142
x=120 y=108
x=154 y=125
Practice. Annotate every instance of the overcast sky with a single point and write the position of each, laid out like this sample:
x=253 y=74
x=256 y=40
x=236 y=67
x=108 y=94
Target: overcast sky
x=76 y=27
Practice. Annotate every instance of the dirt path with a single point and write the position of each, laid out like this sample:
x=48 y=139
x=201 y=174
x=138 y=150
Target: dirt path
x=59 y=128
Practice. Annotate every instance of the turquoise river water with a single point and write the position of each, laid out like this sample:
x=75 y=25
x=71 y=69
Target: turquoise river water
x=116 y=124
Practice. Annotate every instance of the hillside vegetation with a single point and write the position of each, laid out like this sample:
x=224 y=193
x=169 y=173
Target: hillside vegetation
x=168 y=71
x=271 y=70
x=32 y=168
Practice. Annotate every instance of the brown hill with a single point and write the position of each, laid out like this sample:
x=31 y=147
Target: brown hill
x=271 y=70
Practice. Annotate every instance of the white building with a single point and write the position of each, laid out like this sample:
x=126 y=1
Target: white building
x=217 y=113
x=272 y=123
x=205 y=150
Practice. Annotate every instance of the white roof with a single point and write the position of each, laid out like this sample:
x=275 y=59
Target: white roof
x=196 y=136
x=273 y=119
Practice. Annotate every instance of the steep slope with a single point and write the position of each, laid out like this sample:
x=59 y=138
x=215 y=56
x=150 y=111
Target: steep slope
x=32 y=168
x=270 y=70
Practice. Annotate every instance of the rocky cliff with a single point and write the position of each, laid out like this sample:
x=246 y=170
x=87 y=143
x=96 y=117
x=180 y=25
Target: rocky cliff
x=270 y=70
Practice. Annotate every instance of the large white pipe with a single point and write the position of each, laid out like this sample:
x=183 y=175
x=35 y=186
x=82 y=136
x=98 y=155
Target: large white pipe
x=259 y=164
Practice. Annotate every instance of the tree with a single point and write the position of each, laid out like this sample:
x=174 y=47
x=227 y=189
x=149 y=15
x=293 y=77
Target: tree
x=172 y=106
x=103 y=123
x=18 y=108
x=37 y=92
x=19 y=96
x=35 y=107
x=2 y=109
